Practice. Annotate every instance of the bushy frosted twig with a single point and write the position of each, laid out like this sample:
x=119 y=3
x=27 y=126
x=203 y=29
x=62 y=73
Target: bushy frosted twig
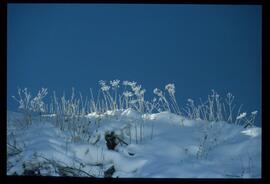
x=28 y=105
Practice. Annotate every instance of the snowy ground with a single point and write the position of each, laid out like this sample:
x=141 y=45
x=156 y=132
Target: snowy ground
x=160 y=145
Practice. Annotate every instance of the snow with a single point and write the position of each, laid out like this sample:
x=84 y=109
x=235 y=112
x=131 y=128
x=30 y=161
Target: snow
x=254 y=112
x=131 y=114
x=253 y=132
x=160 y=145
x=242 y=115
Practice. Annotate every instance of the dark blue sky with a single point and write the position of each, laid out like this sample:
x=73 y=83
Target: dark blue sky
x=197 y=47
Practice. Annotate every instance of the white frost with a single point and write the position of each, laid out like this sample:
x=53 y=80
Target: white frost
x=242 y=115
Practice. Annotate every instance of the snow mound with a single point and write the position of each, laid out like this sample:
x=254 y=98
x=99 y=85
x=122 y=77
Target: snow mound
x=161 y=145
x=253 y=132
x=131 y=114
x=166 y=117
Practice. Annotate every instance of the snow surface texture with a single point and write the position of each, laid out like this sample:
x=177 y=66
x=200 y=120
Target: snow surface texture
x=161 y=145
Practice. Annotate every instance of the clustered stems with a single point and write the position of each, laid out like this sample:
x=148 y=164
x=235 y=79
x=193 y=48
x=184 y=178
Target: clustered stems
x=229 y=101
x=29 y=105
x=110 y=98
x=215 y=110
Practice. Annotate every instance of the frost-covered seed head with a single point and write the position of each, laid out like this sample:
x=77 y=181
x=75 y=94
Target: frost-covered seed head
x=170 y=88
x=115 y=83
x=229 y=95
x=158 y=92
x=213 y=93
x=128 y=94
x=102 y=82
x=105 y=88
x=132 y=84
x=136 y=88
x=190 y=100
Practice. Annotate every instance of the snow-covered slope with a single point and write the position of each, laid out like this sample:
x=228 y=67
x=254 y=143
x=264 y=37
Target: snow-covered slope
x=151 y=145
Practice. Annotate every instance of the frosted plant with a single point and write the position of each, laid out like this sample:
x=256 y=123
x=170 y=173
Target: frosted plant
x=203 y=110
x=135 y=98
x=139 y=93
x=142 y=92
x=28 y=105
x=37 y=104
x=219 y=114
x=115 y=85
x=229 y=100
x=252 y=118
x=162 y=99
x=140 y=96
x=190 y=101
x=127 y=95
x=24 y=101
x=102 y=82
x=92 y=107
x=105 y=88
x=122 y=97
x=107 y=97
x=151 y=106
x=68 y=110
x=171 y=90
x=84 y=104
x=132 y=84
x=158 y=92
x=193 y=111
x=214 y=109
x=190 y=108
x=211 y=101
x=248 y=122
x=136 y=89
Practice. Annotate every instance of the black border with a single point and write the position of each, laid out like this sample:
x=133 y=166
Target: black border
x=59 y=180
x=258 y=2
x=3 y=93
